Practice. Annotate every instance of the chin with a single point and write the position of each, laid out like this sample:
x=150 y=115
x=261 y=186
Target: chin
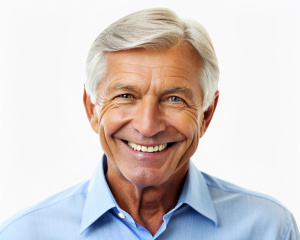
x=146 y=177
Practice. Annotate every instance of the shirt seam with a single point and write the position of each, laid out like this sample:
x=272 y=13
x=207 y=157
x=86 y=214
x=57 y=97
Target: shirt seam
x=252 y=194
x=32 y=211
x=287 y=231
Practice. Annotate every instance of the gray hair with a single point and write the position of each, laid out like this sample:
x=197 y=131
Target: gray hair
x=153 y=29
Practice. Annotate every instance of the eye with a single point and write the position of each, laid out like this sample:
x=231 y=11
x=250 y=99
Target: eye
x=175 y=99
x=125 y=95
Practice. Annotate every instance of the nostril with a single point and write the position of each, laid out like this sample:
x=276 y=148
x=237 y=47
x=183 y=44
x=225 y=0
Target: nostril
x=148 y=119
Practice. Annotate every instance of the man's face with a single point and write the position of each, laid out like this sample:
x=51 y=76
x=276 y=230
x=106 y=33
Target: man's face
x=149 y=113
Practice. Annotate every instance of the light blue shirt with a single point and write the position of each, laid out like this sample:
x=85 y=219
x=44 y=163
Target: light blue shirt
x=208 y=208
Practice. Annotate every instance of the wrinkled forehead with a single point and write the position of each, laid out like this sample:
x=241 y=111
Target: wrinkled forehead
x=175 y=68
x=180 y=59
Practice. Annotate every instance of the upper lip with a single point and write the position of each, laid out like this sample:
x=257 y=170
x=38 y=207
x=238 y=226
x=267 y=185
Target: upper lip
x=146 y=144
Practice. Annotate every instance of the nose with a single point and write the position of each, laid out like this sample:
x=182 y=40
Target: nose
x=148 y=119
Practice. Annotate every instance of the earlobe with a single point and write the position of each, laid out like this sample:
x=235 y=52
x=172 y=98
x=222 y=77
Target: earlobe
x=208 y=114
x=90 y=111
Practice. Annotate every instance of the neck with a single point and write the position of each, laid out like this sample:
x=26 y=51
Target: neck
x=147 y=204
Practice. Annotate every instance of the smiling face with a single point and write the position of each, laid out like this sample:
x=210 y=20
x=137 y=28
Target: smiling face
x=148 y=115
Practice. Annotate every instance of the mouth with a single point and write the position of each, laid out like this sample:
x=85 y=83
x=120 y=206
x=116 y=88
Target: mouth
x=148 y=149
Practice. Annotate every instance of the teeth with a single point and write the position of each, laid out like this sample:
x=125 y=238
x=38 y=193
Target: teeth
x=155 y=148
x=144 y=149
x=150 y=149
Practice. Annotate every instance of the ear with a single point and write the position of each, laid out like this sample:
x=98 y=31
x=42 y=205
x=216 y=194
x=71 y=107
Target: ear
x=90 y=112
x=208 y=114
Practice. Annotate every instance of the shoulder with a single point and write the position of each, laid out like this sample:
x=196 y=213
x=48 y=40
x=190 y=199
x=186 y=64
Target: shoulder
x=255 y=211
x=221 y=190
x=51 y=210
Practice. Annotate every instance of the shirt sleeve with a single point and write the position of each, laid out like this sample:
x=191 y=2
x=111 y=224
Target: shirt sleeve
x=293 y=231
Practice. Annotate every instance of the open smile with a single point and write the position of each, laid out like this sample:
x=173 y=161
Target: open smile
x=149 y=149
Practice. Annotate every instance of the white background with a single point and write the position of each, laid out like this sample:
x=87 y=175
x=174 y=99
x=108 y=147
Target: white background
x=46 y=143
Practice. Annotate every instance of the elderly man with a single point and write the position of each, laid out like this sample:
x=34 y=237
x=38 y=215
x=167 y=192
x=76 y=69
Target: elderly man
x=150 y=94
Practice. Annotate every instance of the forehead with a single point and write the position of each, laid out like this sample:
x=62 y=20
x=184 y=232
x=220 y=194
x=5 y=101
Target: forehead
x=175 y=67
x=181 y=59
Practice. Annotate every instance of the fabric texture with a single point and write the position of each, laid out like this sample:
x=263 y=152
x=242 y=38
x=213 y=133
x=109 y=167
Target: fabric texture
x=208 y=208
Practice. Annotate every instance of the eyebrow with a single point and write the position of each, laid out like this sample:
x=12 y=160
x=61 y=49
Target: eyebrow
x=186 y=91
x=122 y=86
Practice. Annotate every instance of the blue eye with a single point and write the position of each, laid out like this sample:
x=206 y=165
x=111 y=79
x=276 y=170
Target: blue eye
x=126 y=95
x=175 y=99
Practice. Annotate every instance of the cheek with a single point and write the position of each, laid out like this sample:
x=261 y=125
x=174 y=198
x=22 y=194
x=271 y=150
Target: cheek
x=110 y=121
x=113 y=118
x=186 y=122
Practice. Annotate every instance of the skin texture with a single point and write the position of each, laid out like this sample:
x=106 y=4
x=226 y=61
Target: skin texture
x=149 y=98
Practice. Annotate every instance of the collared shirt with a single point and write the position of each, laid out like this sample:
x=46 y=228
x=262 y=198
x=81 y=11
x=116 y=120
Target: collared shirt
x=208 y=208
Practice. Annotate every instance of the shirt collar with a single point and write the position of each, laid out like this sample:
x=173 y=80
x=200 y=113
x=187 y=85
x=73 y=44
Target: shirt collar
x=99 y=198
x=195 y=193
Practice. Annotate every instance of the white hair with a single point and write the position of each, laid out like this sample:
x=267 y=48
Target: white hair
x=153 y=29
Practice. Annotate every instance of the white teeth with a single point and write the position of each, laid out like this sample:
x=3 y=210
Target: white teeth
x=144 y=149
x=150 y=149
x=147 y=149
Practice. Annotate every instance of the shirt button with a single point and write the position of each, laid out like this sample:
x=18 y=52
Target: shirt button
x=121 y=215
